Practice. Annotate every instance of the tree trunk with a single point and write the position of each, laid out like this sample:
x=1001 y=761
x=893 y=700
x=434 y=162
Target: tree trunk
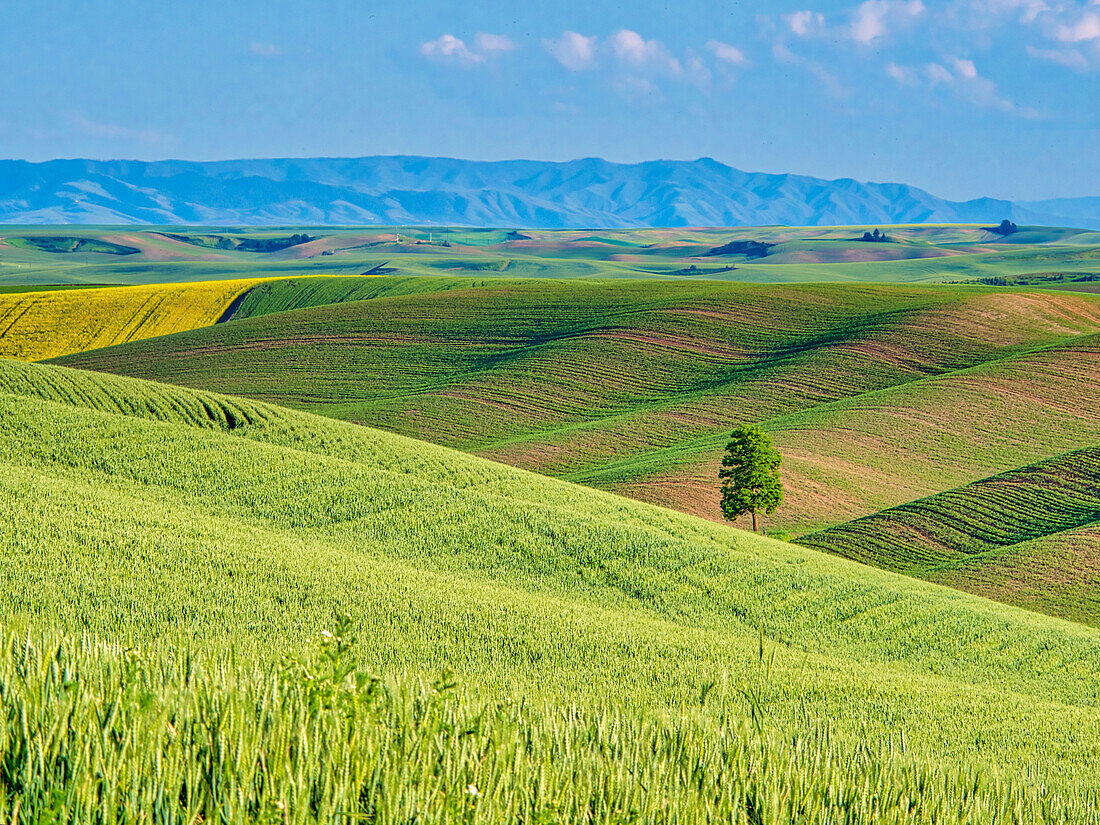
x=754 y=521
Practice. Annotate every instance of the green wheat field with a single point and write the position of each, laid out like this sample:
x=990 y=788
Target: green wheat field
x=422 y=526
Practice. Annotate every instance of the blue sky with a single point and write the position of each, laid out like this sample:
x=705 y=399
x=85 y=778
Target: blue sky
x=962 y=97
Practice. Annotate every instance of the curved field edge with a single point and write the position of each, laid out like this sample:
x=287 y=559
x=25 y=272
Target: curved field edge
x=1016 y=523
x=143 y=526
x=39 y=324
x=288 y=294
x=960 y=254
x=49 y=323
x=1055 y=574
x=318 y=738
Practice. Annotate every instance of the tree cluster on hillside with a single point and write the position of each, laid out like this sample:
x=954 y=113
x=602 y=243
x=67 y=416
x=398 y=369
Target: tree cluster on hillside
x=1004 y=229
x=239 y=244
x=752 y=249
x=877 y=236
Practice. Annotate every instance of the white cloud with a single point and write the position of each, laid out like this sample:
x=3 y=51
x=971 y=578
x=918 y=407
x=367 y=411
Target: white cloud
x=265 y=50
x=1086 y=27
x=453 y=49
x=1070 y=58
x=1071 y=26
x=574 y=51
x=965 y=69
x=631 y=48
x=903 y=74
x=637 y=67
x=727 y=53
x=870 y=21
x=1074 y=28
x=783 y=54
x=697 y=71
x=936 y=73
x=449 y=47
x=805 y=23
x=962 y=76
x=827 y=79
x=874 y=19
x=983 y=92
x=982 y=14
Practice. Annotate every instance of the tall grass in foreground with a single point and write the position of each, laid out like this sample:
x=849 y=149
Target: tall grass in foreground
x=91 y=732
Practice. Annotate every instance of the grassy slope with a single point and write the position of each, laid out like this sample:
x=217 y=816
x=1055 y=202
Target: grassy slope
x=36 y=325
x=149 y=511
x=633 y=387
x=1020 y=524
x=285 y=294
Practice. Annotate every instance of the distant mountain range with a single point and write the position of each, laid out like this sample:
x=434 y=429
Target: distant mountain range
x=588 y=193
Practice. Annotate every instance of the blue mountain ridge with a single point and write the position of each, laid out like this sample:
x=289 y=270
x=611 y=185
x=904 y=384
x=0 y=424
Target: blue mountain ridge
x=402 y=190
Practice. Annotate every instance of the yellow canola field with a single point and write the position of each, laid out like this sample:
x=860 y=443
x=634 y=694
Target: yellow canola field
x=39 y=325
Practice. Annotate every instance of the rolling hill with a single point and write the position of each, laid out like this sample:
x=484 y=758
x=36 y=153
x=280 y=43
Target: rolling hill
x=857 y=455
x=1030 y=535
x=158 y=515
x=442 y=191
x=876 y=395
x=633 y=386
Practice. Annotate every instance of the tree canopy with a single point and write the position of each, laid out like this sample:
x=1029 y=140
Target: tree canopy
x=750 y=474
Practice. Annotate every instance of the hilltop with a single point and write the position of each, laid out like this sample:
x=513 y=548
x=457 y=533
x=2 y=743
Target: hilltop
x=419 y=190
x=45 y=323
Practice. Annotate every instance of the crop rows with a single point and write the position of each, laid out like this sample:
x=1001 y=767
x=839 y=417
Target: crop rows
x=953 y=534
x=286 y=294
x=1052 y=496
x=157 y=402
x=1055 y=574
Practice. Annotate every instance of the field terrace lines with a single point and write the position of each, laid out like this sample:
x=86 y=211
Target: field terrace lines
x=1052 y=496
x=950 y=430
x=883 y=357
x=633 y=386
x=47 y=324
x=1057 y=574
x=569 y=352
x=862 y=454
x=1039 y=521
x=285 y=294
x=109 y=394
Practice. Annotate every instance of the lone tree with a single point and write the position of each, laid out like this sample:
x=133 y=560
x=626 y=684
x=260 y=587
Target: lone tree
x=750 y=474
